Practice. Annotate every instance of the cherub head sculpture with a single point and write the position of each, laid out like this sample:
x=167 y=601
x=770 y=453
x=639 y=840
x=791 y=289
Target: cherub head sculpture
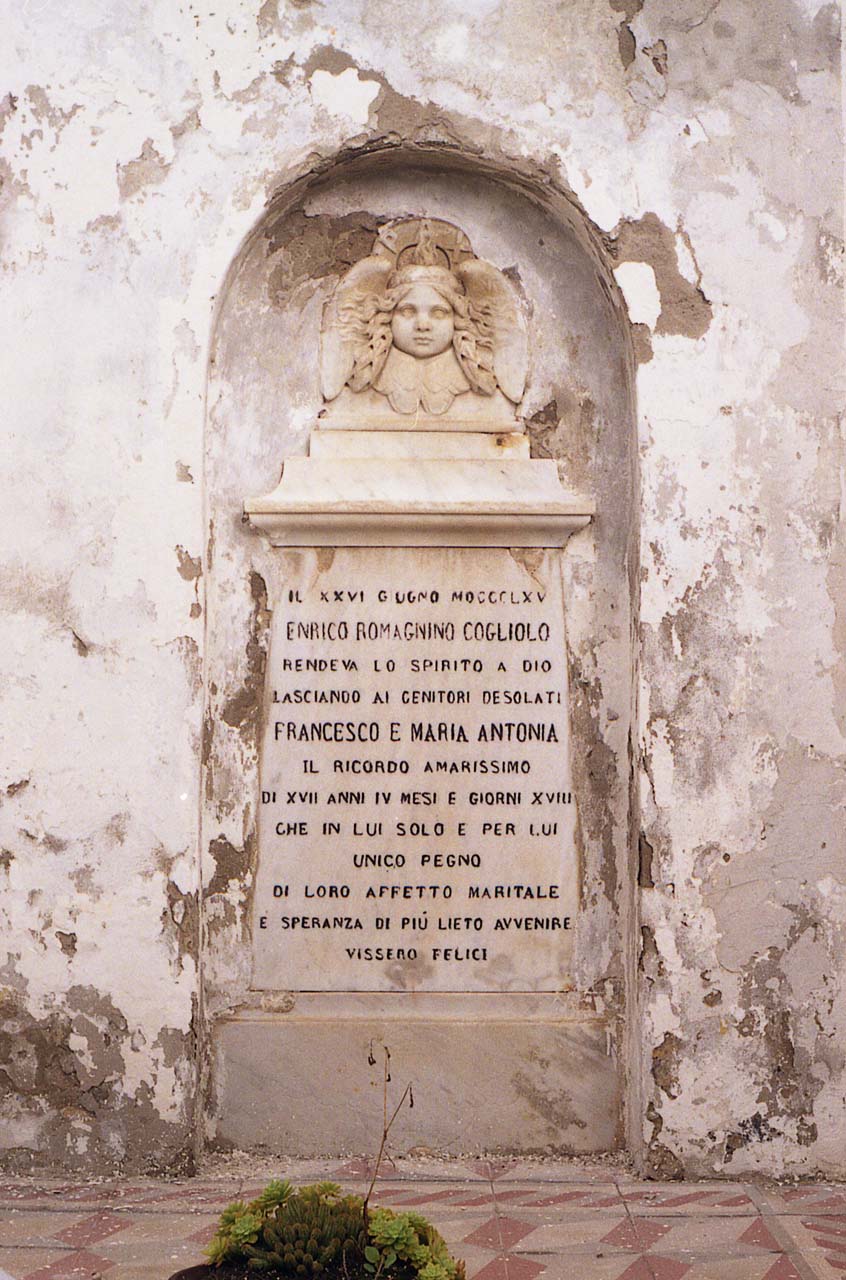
x=422 y=329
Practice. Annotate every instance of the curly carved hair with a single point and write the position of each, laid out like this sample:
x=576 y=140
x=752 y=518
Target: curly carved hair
x=368 y=322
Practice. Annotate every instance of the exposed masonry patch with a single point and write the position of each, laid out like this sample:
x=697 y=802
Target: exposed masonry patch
x=328 y=58
x=645 y=856
x=787 y=1085
x=311 y=248
x=231 y=864
x=81 y=646
x=625 y=36
x=684 y=308
x=190 y=567
x=44 y=109
x=657 y=54
x=267 y=17
x=70 y=1065
x=649 y=960
x=629 y=8
x=187 y=124
x=181 y=921
x=565 y=427
x=243 y=709
x=627 y=44
x=663 y=1163
x=665 y=1064
x=148 y=169
x=402 y=118
x=594 y=771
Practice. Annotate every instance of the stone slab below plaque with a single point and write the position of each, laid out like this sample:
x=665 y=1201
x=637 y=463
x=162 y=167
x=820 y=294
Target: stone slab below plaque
x=496 y=1073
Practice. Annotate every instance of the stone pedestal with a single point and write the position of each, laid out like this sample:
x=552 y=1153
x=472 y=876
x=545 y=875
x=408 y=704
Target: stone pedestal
x=418 y=880
x=493 y=1073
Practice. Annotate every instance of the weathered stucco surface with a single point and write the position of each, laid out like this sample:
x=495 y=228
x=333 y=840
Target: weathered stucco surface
x=140 y=145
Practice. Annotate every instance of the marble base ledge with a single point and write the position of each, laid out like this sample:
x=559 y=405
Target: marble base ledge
x=403 y=528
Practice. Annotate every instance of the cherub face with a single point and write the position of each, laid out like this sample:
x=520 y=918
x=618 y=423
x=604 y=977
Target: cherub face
x=423 y=322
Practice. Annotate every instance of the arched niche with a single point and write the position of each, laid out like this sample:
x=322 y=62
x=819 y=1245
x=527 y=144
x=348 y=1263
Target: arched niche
x=263 y=400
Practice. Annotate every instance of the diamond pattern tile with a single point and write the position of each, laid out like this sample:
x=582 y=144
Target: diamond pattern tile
x=782 y=1269
x=500 y=1233
x=89 y=1230
x=508 y=1267
x=633 y=1234
x=508 y=1219
x=76 y=1264
x=674 y=1199
x=759 y=1233
x=829 y=1236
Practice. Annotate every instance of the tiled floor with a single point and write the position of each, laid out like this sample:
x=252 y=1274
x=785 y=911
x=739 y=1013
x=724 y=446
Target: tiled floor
x=509 y=1221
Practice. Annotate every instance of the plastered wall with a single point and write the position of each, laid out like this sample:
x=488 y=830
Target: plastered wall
x=699 y=142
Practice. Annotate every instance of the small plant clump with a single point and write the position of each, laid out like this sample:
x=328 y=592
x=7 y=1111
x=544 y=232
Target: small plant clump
x=407 y=1245
x=318 y=1232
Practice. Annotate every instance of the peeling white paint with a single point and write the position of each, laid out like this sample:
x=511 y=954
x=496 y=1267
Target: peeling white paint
x=637 y=281
x=345 y=94
x=140 y=155
x=451 y=43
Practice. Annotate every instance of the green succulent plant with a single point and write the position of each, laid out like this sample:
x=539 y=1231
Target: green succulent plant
x=410 y=1240
x=314 y=1232
x=317 y=1233
x=241 y=1224
x=299 y=1234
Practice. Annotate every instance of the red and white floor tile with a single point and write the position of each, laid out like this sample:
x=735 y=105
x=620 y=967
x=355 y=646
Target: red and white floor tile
x=509 y=1220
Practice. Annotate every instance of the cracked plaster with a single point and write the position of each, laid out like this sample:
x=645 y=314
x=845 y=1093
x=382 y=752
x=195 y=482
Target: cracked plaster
x=139 y=150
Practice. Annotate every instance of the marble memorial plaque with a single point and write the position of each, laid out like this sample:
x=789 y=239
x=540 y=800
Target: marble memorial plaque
x=417 y=820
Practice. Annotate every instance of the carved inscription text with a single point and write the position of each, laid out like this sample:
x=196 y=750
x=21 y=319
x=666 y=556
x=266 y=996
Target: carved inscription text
x=417 y=824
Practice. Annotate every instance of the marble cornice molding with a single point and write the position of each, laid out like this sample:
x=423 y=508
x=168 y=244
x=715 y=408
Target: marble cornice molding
x=401 y=489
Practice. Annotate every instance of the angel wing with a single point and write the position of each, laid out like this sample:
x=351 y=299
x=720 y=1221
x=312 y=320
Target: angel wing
x=495 y=300
x=341 y=333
